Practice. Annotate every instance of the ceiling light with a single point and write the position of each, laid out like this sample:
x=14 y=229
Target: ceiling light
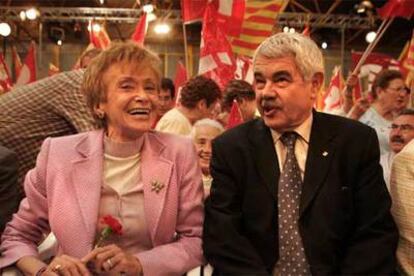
x=370 y=37
x=148 y=8
x=292 y=30
x=59 y=42
x=324 y=45
x=22 y=15
x=31 y=14
x=102 y=2
x=285 y=29
x=162 y=28
x=5 y=29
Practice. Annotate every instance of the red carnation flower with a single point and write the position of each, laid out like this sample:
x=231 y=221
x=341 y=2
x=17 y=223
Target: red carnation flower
x=112 y=225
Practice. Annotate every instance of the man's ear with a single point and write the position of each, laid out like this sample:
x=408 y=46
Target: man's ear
x=201 y=104
x=317 y=81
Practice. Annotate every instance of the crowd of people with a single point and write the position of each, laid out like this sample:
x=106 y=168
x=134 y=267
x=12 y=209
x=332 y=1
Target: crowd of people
x=290 y=191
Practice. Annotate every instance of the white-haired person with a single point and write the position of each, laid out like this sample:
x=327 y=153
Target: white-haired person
x=297 y=192
x=203 y=133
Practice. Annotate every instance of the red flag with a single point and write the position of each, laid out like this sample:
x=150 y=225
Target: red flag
x=140 y=30
x=244 y=69
x=99 y=39
x=306 y=31
x=230 y=15
x=28 y=71
x=374 y=63
x=216 y=56
x=17 y=62
x=235 y=117
x=193 y=10
x=394 y=8
x=5 y=80
x=332 y=98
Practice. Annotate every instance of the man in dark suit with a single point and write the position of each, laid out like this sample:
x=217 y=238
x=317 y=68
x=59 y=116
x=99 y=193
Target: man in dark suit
x=326 y=210
x=9 y=189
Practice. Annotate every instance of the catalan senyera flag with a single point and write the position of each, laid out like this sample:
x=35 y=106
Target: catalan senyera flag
x=259 y=19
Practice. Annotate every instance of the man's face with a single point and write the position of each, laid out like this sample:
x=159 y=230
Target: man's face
x=402 y=131
x=283 y=97
x=165 y=102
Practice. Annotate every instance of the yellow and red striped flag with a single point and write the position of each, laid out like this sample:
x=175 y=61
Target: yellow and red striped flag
x=407 y=61
x=259 y=19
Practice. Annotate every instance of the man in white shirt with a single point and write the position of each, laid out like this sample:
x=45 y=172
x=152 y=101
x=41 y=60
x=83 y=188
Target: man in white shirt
x=401 y=133
x=197 y=100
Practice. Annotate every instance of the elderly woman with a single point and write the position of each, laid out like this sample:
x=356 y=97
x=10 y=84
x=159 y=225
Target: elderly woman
x=203 y=133
x=148 y=181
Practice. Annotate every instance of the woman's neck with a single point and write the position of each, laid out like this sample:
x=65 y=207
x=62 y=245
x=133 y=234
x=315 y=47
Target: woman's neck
x=386 y=113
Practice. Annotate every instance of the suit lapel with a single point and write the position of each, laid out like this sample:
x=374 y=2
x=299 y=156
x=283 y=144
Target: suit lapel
x=320 y=153
x=264 y=154
x=87 y=180
x=156 y=172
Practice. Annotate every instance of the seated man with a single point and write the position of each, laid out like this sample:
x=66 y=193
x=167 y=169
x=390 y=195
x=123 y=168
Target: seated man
x=402 y=193
x=9 y=190
x=402 y=132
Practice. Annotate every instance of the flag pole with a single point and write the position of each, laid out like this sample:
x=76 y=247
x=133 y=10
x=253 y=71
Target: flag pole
x=185 y=49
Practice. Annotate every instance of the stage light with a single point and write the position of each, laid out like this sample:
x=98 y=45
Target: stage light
x=162 y=28
x=292 y=30
x=32 y=13
x=96 y=27
x=324 y=45
x=22 y=15
x=285 y=29
x=102 y=2
x=5 y=29
x=59 y=42
x=370 y=37
x=148 y=8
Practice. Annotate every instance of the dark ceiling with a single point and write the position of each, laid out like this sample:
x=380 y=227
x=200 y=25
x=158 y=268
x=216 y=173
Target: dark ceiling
x=399 y=32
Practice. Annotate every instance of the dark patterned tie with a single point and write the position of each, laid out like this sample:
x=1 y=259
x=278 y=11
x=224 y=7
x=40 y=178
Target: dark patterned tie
x=292 y=259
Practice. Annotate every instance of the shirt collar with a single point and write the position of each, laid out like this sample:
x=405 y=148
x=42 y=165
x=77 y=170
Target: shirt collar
x=303 y=130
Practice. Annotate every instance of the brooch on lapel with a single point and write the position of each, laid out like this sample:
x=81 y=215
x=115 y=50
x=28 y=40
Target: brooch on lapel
x=156 y=186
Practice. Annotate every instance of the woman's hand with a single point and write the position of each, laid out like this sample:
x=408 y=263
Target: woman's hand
x=114 y=260
x=66 y=265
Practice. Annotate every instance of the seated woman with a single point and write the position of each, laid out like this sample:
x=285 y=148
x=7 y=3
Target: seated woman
x=203 y=133
x=150 y=182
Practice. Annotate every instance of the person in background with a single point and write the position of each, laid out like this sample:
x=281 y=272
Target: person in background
x=402 y=132
x=388 y=91
x=166 y=98
x=149 y=182
x=243 y=93
x=9 y=190
x=87 y=57
x=50 y=107
x=402 y=194
x=203 y=133
x=403 y=102
x=296 y=192
x=198 y=99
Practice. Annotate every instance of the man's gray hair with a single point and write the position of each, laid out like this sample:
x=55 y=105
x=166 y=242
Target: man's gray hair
x=308 y=57
x=206 y=122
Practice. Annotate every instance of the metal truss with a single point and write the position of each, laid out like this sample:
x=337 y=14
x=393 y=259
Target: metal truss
x=119 y=15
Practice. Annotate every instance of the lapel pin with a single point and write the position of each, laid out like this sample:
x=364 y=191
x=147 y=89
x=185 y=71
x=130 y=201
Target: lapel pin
x=325 y=153
x=156 y=186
